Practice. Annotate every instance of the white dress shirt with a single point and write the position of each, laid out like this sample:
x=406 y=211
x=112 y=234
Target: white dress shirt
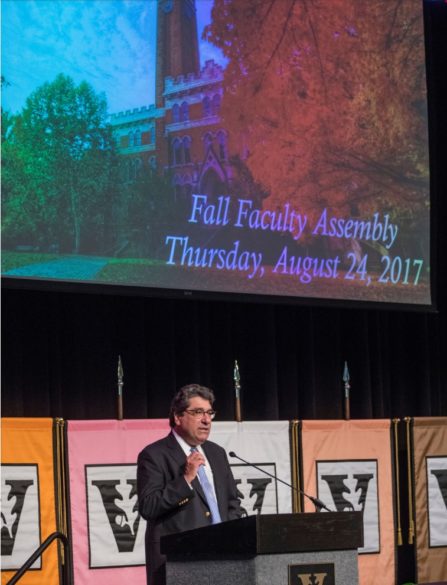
x=187 y=450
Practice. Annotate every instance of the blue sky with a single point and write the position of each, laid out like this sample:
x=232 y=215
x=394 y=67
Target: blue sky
x=109 y=43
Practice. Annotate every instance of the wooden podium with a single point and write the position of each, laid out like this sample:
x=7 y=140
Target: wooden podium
x=270 y=549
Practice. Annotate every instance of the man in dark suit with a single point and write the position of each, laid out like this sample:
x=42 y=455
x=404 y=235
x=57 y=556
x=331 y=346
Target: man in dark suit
x=184 y=481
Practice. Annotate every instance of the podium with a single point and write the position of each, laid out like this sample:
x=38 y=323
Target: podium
x=270 y=549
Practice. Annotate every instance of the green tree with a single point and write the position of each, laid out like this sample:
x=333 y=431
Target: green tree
x=59 y=160
x=147 y=211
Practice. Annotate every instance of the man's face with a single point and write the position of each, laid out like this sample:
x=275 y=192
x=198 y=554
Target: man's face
x=194 y=430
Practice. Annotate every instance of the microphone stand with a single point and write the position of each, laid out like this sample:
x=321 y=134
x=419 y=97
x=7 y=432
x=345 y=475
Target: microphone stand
x=319 y=505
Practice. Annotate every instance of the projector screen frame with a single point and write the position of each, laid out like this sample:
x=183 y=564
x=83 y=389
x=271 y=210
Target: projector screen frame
x=151 y=291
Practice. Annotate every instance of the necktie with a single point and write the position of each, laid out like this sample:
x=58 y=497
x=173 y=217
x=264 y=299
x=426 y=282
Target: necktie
x=209 y=494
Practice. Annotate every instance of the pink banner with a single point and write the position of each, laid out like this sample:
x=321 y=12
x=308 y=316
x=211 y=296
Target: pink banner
x=107 y=533
x=348 y=465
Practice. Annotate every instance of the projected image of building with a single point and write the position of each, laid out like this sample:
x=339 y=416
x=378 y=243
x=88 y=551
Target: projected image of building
x=266 y=142
x=181 y=136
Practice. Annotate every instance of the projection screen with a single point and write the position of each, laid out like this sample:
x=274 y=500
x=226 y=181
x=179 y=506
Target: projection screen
x=275 y=148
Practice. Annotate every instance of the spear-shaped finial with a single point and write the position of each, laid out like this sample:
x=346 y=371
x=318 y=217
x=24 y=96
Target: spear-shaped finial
x=237 y=391
x=347 y=388
x=120 y=389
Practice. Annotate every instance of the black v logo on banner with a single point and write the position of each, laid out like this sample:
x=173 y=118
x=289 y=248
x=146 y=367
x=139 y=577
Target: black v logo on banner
x=441 y=476
x=338 y=490
x=10 y=521
x=258 y=489
x=123 y=521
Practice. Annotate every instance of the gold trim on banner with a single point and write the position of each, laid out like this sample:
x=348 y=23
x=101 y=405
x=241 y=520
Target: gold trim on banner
x=295 y=471
x=408 y=420
x=61 y=486
x=396 y=422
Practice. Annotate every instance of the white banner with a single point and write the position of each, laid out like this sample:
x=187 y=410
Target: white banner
x=115 y=528
x=352 y=486
x=265 y=444
x=437 y=500
x=20 y=515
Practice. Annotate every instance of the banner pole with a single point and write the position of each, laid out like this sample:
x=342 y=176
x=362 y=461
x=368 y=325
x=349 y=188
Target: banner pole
x=120 y=389
x=347 y=392
x=396 y=422
x=408 y=420
x=237 y=390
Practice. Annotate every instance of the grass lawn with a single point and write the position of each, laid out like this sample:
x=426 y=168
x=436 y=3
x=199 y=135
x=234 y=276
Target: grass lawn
x=12 y=260
x=127 y=270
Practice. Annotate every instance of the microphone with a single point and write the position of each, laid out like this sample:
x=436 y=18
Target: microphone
x=315 y=501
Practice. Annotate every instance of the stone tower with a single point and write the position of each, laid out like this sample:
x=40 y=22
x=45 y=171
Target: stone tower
x=177 y=43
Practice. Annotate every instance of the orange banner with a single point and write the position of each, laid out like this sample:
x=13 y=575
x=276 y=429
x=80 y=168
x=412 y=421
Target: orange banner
x=430 y=498
x=28 y=499
x=348 y=465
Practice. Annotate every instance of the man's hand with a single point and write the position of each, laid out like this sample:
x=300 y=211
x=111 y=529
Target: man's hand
x=193 y=462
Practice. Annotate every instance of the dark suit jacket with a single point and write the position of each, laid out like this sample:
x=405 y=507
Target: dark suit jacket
x=168 y=503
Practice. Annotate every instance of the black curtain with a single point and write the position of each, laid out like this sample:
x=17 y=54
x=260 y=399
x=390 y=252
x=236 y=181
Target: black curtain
x=60 y=355
x=61 y=347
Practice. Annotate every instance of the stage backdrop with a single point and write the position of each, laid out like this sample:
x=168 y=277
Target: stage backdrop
x=348 y=465
x=28 y=499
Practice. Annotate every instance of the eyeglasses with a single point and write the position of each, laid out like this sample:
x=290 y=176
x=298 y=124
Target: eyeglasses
x=199 y=412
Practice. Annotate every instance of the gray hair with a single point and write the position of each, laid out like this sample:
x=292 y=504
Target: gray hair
x=180 y=402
